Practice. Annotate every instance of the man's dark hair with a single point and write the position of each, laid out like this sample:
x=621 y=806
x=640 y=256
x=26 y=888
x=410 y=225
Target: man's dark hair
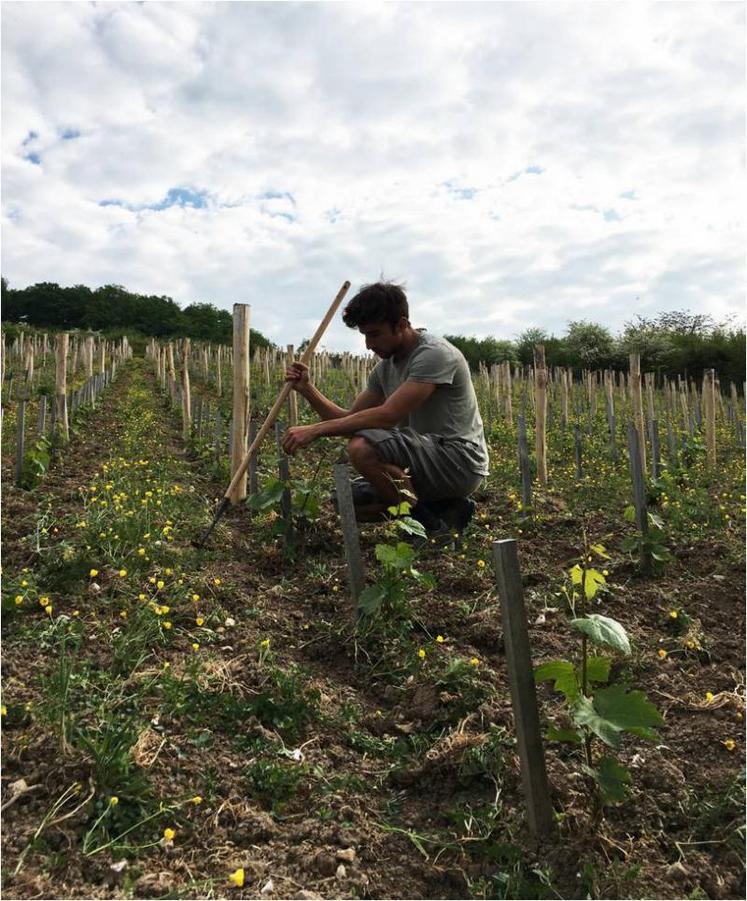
x=380 y=302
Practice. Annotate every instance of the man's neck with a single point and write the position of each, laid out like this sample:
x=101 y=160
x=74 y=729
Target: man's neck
x=410 y=340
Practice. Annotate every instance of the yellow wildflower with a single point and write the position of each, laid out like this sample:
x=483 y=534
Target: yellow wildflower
x=237 y=877
x=93 y=573
x=114 y=800
x=199 y=620
x=421 y=653
x=123 y=573
x=474 y=661
x=729 y=744
x=662 y=653
x=169 y=834
x=709 y=696
x=48 y=609
x=196 y=800
x=481 y=564
x=439 y=638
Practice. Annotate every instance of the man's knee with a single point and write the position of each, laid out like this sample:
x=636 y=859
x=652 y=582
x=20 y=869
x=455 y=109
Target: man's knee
x=360 y=450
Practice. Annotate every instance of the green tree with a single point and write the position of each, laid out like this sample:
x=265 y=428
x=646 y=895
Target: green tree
x=590 y=346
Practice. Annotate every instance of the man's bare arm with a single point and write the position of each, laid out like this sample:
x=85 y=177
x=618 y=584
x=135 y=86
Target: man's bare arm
x=328 y=410
x=397 y=407
x=298 y=374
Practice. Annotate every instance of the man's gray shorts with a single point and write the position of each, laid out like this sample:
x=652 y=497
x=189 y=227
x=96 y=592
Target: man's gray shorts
x=436 y=465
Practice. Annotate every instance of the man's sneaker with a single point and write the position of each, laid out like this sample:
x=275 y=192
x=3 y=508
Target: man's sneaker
x=366 y=503
x=437 y=532
x=456 y=512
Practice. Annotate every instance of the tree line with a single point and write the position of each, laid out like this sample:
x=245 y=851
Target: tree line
x=115 y=310
x=669 y=343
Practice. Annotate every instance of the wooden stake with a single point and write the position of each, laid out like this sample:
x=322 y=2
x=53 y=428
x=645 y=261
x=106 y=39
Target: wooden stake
x=186 y=395
x=540 y=412
x=241 y=317
x=523 y=692
x=636 y=401
x=61 y=419
x=709 y=402
x=639 y=493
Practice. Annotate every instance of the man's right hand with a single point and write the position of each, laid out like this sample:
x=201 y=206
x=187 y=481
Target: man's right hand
x=298 y=375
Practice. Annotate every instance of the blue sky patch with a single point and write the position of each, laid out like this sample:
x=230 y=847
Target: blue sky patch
x=175 y=197
x=612 y=216
x=33 y=158
x=31 y=136
x=461 y=193
x=70 y=134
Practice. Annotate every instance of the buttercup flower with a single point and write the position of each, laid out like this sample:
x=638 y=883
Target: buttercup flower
x=237 y=877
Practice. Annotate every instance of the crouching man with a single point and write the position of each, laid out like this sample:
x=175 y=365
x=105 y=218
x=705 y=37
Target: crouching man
x=415 y=426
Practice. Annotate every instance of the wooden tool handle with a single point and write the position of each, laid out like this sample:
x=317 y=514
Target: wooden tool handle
x=286 y=390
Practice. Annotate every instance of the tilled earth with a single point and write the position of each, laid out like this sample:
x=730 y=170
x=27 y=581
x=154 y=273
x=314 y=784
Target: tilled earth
x=384 y=825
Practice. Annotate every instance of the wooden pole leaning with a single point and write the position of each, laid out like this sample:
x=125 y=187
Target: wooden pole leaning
x=273 y=414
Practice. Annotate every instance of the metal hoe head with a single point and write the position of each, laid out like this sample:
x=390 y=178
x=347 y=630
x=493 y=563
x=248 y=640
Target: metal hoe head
x=222 y=507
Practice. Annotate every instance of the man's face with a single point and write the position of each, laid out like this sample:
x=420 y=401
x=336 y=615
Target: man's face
x=382 y=338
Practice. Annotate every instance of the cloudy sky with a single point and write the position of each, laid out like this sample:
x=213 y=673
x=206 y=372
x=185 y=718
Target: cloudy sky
x=515 y=164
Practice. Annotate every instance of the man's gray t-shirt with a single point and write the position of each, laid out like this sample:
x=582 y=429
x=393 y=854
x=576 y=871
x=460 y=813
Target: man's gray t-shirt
x=451 y=411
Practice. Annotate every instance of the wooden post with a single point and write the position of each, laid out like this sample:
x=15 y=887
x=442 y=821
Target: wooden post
x=653 y=437
x=61 y=419
x=649 y=380
x=172 y=370
x=217 y=432
x=565 y=378
x=20 y=440
x=292 y=398
x=218 y=375
x=186 y=395
x=350 y=536
x=240 y=415
x=540 y=412
x=41 y=425
x=524 y=465
x=709 y=402
x=639 y=493
x=523 y=691
x=89 y=369
x=609 y=401
x=508 y=389
x=636 y=400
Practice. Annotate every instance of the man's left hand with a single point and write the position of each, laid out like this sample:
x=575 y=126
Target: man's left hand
x=298 y=436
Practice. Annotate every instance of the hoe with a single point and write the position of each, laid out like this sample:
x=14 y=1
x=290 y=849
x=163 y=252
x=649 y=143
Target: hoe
x=272 y=416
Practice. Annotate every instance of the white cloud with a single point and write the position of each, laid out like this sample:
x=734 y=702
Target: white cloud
x=516 y=164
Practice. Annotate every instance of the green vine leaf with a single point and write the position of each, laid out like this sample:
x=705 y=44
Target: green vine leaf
x=612 y=778
x=564 y=676
x=603 y=630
